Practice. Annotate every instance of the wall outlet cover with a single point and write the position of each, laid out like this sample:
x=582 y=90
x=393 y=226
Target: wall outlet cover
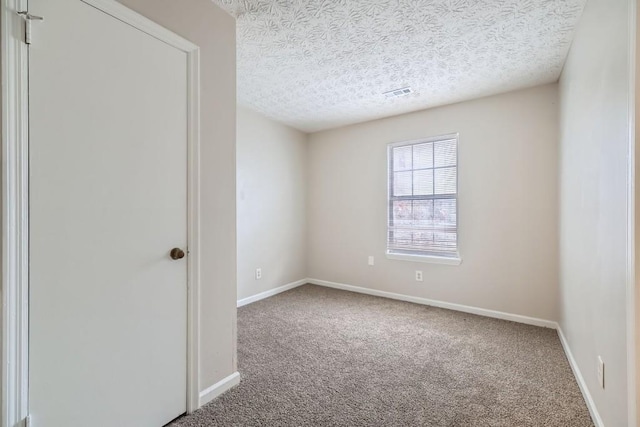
x=419 y=277
x=258 y=273
x=371 y=260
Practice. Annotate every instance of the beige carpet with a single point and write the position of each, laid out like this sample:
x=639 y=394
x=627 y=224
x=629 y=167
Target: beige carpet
x=321 y=357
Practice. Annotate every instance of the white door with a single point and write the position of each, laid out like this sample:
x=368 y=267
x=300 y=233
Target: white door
x=108 y=202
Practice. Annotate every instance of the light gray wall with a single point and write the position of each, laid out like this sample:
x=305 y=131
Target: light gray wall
x=594 y=146
x=213 y=30
x=507 y=204
x=271 y=203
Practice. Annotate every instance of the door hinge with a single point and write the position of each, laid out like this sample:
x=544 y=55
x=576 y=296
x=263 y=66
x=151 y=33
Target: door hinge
x=28 y=21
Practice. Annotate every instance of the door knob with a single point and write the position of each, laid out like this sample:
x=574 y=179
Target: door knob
x=176 y=253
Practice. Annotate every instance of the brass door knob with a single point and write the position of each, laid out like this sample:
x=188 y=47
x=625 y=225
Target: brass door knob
x=176 y=253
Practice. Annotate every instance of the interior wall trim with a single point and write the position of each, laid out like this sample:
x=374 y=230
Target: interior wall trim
x=595 y=415
x=270 y=292
x=632 y=293
x=210 y=393
x=441 y=304
x=15 y=216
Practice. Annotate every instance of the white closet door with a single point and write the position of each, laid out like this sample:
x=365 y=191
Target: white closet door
x=108 y=202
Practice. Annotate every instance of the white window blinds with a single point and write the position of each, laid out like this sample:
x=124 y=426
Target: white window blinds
x=423 y=197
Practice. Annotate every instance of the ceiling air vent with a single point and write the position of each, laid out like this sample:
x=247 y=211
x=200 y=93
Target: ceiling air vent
x=396 y=93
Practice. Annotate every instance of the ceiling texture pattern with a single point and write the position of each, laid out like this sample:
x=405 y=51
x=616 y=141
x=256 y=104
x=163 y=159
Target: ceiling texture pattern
x=319 y=64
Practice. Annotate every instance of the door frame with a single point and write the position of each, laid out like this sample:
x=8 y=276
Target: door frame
x=633 y=289
x=15 y=203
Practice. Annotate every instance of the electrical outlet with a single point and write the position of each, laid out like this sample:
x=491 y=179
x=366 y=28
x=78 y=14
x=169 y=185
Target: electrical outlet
x=258 y=273
x=418 y=276
x=370 y=259
x=600 y=371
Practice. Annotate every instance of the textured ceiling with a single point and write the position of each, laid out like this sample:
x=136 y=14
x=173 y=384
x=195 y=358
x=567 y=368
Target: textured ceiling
x=319 y=64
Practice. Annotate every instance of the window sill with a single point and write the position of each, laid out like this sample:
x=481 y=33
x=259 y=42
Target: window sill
x=426 y=258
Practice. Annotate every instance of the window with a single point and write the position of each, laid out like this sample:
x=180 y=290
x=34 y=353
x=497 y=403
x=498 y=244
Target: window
x=423 y=199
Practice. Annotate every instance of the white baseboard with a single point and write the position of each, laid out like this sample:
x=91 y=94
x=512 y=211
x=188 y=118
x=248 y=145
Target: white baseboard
x=208 y=394
x=595 y=416
x=271 y=292
x=441 y=304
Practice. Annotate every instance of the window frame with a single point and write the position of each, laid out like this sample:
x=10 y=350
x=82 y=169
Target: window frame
x=423 y=256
